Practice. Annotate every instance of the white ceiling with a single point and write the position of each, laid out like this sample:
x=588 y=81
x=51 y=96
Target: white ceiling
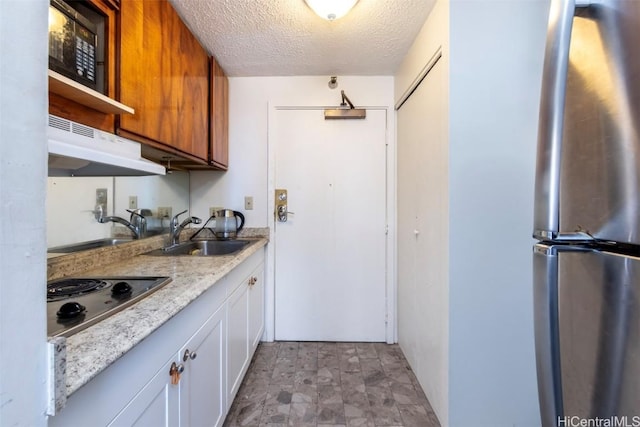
x=285 y=38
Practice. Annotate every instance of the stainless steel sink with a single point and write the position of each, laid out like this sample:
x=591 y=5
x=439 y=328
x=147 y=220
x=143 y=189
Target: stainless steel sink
x=202 y=248
x=83 y=246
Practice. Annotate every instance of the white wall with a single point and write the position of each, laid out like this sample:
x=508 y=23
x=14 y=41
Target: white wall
x=423 y=191
x=70 y=202
x=23 y=170
x=497 y=49
x=170 y=190
x=495 y=63
x=433 y=36
x=248 y=175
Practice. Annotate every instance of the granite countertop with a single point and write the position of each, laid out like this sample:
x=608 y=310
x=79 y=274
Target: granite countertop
x=92 y=350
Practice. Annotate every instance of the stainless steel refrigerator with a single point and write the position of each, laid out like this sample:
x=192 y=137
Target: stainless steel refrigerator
x=587 y=215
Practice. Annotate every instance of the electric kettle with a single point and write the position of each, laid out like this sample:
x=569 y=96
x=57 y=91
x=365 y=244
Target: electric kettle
x=227 y=224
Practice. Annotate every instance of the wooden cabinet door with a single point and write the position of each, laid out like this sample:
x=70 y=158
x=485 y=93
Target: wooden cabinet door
x=203 y=386
x=237 y=339
x=164 y=77
x=155 y=405
x=219 y=120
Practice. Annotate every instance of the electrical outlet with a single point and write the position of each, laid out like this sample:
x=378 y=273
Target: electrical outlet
x=133 y=202
x=248 y=203
x=164 y=212
x=213 y=210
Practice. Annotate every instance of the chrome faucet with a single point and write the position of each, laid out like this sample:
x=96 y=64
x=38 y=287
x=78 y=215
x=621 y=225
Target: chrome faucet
x=137 y=223
x=177 y=229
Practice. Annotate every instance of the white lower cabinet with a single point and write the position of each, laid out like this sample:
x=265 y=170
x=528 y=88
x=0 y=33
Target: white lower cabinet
x=256 y=308
x=202 y=384
x=212 y=352
x=245 y=327
x=198 y=398
x=156 y=405
x=238 y=339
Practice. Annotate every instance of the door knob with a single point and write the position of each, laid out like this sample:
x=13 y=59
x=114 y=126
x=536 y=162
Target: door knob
x=282 y=212
x=189 y=355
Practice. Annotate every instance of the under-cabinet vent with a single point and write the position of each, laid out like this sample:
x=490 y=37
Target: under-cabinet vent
x=77 y=149
x=82 y=130
x=69 y=126
x=59 y=123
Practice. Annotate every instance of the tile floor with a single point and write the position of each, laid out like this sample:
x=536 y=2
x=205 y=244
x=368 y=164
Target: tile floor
x=330 y=384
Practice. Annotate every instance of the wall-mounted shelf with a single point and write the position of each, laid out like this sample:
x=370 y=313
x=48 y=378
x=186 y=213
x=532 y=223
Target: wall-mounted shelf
x=81 y=94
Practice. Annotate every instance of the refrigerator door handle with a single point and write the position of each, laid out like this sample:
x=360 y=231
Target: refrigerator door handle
x=545 y=300
x=554 y=81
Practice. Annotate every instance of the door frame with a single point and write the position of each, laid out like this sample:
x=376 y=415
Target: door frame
x=390 y=262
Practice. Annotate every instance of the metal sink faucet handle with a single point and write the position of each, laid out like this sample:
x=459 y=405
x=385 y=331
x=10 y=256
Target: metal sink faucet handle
x=176 y=228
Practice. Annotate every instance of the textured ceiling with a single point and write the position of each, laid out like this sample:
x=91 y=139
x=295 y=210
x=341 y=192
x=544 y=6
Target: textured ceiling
x=285 y=38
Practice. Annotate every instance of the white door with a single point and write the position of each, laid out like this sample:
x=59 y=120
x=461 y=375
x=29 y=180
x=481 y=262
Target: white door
x=202 y=385
x=155 y=405
x=330 y=255
x=237 y=339
x=256 y=308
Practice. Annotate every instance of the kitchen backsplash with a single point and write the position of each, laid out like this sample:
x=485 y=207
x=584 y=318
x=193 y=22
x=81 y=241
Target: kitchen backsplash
x=71 y=201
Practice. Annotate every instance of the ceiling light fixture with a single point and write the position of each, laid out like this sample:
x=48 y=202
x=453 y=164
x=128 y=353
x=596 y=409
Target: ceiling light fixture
x=331 y=9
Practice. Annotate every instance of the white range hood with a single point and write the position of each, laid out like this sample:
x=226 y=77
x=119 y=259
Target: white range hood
x=79 y=150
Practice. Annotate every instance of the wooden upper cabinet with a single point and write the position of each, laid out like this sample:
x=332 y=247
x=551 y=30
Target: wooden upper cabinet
x=164 y=76
x=219 y=121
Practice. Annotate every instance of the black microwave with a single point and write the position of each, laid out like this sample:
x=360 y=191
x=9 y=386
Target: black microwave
x=72 y=44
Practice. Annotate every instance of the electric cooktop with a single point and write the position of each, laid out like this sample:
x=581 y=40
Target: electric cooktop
x=75 y=303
